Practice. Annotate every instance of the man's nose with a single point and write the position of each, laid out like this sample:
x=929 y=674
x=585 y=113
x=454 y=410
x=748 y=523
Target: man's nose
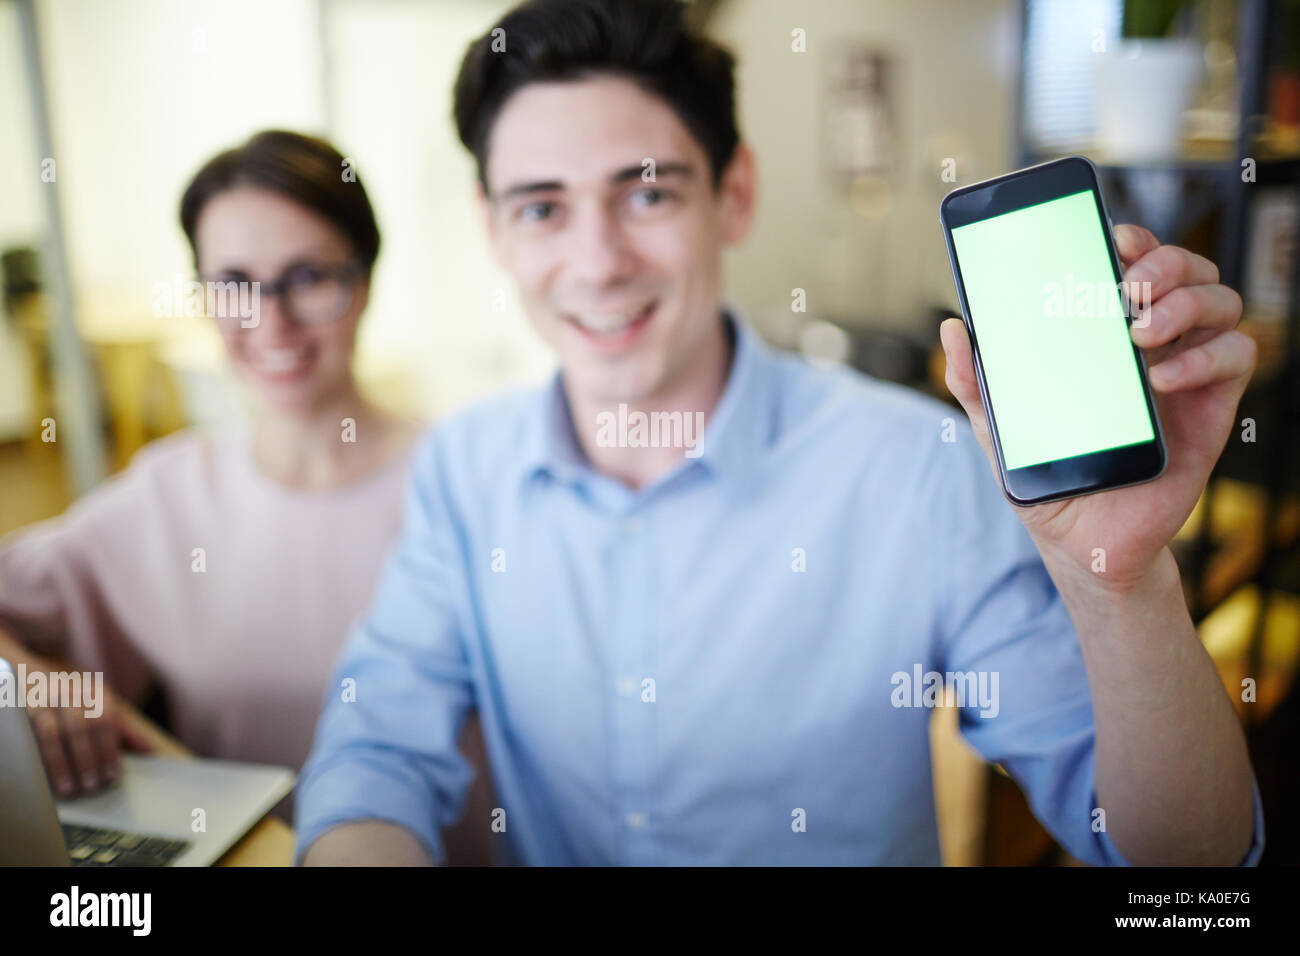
x=601 y=252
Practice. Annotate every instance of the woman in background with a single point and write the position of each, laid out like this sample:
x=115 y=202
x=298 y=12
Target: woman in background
x=226 y=566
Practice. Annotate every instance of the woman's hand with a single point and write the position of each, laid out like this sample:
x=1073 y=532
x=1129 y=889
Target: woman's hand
x=81 y=752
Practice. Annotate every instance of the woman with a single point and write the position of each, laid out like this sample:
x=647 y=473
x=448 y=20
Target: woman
x=225 y=567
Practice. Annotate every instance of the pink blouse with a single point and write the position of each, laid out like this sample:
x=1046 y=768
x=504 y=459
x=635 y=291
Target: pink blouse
x=194 y=570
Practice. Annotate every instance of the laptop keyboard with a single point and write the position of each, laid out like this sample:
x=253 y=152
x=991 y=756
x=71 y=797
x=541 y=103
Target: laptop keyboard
x=93 y=846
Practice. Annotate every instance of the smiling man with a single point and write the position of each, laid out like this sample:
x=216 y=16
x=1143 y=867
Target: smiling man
x=695 y=658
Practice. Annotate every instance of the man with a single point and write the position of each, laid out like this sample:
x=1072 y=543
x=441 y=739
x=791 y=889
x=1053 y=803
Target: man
x=688 y=650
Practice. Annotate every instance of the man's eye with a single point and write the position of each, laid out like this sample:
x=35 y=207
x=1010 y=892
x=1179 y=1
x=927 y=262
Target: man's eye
x=536 y=211
x=644 y=198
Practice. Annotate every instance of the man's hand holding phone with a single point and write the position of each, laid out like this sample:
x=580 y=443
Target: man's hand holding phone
x=1199 y=365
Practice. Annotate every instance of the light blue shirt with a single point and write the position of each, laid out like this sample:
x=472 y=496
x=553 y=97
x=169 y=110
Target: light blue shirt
x=721 y=667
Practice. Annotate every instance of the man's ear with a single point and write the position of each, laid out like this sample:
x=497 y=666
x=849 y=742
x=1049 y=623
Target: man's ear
x=738 y=194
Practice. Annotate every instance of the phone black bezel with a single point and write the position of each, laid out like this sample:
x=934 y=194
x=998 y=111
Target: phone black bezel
x=1082 y=474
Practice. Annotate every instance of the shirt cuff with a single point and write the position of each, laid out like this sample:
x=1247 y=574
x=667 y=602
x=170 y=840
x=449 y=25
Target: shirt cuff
x=1257 y=839
x=353 y=791
x=1112 y=856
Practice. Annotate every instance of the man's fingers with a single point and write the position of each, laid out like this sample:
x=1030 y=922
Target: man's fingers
x=1186 y=308
x=1165 y=268
x=1133 y=242
x=960 y=377
x=960 y=373
x=1223 y=358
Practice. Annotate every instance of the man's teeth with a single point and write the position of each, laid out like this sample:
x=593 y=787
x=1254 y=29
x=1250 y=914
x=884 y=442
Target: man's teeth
x=282 y=360
x=608 y=322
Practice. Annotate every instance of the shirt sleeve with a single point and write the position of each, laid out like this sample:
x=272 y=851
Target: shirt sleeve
x=1008 y=622
x=386 y=743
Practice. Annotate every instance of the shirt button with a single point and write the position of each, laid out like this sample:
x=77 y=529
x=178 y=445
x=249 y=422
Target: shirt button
x=632 y=525
x=636 y=821
x=627 y=686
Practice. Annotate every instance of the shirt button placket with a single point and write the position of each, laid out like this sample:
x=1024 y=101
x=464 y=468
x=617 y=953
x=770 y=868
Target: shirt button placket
x=634 y=614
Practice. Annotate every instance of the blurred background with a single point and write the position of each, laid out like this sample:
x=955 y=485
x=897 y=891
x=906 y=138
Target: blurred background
x=863 y=114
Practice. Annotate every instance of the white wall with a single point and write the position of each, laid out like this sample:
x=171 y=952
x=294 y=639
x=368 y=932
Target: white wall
x=142 y=92
x=392 y=65
x=954 y=83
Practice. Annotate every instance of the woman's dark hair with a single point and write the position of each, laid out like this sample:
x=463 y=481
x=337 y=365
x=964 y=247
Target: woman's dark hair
x=303 y=168
x=647 y=41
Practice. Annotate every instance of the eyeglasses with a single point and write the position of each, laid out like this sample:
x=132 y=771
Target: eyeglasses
x=310 y=294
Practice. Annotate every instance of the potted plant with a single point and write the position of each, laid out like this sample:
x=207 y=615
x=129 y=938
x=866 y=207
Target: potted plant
x=1145 y=83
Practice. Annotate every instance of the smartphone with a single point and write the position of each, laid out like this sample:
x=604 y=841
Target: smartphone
x=1065 y=389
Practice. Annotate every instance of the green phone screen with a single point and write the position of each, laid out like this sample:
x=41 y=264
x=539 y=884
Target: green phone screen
x=1058 y=360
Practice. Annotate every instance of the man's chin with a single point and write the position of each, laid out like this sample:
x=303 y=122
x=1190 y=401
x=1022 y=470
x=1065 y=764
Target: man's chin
x=625 y=382
x=609 y=394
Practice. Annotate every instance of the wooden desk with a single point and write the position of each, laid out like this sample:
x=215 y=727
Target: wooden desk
x=269 y=843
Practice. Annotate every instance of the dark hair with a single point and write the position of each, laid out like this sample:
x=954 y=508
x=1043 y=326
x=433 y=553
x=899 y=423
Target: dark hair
x=303 y=168
x=647 y=41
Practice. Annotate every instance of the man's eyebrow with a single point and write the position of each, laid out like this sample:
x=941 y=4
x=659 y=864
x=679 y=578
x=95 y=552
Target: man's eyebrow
x=671 y=168
x=524 y=189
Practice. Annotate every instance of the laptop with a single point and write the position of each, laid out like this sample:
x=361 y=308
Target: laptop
x=150 y=817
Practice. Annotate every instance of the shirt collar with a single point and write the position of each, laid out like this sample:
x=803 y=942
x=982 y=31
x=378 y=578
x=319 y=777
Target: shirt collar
x=741 y=425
